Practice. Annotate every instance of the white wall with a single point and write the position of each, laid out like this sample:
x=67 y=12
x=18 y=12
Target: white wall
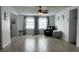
x=6 y=39
x=63 y=25
x=78 y=29
x=0 y=30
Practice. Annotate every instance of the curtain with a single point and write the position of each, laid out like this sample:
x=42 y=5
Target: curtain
x=36 y=30
x=24 y=25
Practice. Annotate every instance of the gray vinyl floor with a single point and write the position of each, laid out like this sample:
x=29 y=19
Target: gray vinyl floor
x=39 y=43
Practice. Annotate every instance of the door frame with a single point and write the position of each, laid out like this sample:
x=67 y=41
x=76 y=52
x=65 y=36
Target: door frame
x=74 y=42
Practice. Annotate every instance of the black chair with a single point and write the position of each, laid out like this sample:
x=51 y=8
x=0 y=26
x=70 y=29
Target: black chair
x=49 y=31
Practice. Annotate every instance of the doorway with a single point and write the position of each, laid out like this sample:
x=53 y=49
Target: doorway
x=73 y=26
x=13 y=25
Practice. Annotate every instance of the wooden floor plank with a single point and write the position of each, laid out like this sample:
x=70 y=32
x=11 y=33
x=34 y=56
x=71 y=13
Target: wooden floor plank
x=39 y=43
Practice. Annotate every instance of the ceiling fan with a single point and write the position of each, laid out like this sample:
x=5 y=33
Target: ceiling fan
x=40 y=10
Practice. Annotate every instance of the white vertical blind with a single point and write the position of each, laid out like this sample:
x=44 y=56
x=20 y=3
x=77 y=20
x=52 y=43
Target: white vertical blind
x=30 y=23
x=42 y=22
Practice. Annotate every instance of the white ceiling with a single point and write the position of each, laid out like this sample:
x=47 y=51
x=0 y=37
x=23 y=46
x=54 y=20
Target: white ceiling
x=32 y=10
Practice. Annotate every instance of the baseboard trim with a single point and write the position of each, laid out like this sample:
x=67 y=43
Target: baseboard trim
x=6 y=44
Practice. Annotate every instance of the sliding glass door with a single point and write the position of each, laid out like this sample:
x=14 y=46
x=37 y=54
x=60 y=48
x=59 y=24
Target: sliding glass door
x=36 y=25
x=30 y=25
x=42 y=24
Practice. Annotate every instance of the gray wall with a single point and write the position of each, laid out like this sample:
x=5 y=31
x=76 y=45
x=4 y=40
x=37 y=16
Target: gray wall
x=21 y=18
x=51 y=20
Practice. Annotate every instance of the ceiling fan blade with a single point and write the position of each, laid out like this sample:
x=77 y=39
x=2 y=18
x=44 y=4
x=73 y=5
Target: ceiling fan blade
x=45 y=11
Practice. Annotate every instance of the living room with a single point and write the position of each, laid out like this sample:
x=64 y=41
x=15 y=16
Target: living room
x=29 y=25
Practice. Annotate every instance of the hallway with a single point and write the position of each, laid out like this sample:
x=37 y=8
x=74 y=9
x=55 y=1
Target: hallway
x=39 y=43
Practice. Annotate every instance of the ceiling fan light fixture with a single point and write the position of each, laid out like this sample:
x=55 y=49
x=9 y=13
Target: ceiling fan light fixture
x=41 y=11
x=40 y=14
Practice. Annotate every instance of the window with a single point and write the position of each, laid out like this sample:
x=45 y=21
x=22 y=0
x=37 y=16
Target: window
x=30 y=23
x=42 y=22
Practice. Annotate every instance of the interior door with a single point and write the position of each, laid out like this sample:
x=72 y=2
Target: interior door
x=73 y=25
